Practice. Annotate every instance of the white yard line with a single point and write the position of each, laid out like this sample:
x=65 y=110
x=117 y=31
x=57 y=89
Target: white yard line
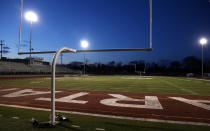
x=202 y=79
x=15 y=117
x=112 y=116
x=137 y=78
x=75 y=126
x=176 y=86
x=36 y=82
x=100 y=129
x=162 y=88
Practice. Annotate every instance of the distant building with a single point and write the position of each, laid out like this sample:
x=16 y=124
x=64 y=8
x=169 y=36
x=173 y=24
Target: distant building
x=34 y=61
x=190 y=74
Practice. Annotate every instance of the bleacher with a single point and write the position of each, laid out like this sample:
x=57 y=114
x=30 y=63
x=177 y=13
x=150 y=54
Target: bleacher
x=21 y=68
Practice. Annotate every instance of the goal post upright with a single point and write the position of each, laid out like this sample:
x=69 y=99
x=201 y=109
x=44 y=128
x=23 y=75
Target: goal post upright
x=150 y=5
x=66 y=49
x=21 y=15
x=52 y=114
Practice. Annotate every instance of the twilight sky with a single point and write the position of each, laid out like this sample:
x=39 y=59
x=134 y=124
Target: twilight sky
x=177 y=27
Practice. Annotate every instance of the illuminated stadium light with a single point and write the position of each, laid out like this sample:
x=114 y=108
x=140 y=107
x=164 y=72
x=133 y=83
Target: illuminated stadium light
x=31 y=16
x=84 y=44
x=203 y=41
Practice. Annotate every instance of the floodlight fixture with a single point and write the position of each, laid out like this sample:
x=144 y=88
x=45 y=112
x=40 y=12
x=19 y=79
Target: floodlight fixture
x=203 y=41
x=84 y=44
x=31 y=16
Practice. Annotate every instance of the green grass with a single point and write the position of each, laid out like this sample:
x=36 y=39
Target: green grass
x=175 y=85
x=86 y=123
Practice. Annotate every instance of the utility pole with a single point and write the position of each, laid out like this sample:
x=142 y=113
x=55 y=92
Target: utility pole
x=61 y=58
x=84 y=64
x=1 y=44
x=135 y=67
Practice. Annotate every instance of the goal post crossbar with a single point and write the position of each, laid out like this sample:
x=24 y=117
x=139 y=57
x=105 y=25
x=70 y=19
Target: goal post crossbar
x=92 y=50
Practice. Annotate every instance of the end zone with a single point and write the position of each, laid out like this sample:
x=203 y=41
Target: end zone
x=121 y=105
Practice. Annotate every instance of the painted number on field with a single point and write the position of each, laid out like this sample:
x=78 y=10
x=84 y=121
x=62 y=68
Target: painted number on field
x=150 y=102
x=68 y=99
x=199 y=103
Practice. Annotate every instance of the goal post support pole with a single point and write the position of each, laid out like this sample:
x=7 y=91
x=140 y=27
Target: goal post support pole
x=52 y=113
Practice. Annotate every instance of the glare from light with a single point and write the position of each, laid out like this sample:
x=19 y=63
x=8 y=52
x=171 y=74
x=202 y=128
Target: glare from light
x=203 y=41
x=31 y=16
x=84 y=44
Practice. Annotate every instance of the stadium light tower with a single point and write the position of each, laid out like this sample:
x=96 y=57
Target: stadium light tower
x=84 y=44
x=203 y=41
x=32 y=17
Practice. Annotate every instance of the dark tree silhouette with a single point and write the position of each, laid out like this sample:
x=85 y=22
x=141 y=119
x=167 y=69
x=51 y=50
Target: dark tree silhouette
x=175 y=65
x=192 y=64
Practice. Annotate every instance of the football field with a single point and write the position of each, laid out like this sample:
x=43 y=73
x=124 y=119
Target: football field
x=99 y=102
x=146 y=84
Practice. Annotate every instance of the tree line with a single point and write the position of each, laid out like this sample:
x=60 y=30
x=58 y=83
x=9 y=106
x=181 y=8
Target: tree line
x=189 y=64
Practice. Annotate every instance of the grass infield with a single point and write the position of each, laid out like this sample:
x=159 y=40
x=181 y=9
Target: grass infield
x=148 y=84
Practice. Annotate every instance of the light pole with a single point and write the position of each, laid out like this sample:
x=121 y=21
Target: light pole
x=203 y=41
x=84 y=44
x=1 y=44
x=32 y=17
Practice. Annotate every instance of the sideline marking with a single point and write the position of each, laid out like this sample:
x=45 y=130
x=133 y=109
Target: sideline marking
x=112 y=116
x=151 y=102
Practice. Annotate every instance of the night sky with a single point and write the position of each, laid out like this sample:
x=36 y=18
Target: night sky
x=177 y=27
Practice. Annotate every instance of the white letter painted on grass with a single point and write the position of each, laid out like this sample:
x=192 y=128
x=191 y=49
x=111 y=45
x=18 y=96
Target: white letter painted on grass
x=68 y=99
x=151 y=102
x=25 y=92
x=11 y=89
x=198 y=103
